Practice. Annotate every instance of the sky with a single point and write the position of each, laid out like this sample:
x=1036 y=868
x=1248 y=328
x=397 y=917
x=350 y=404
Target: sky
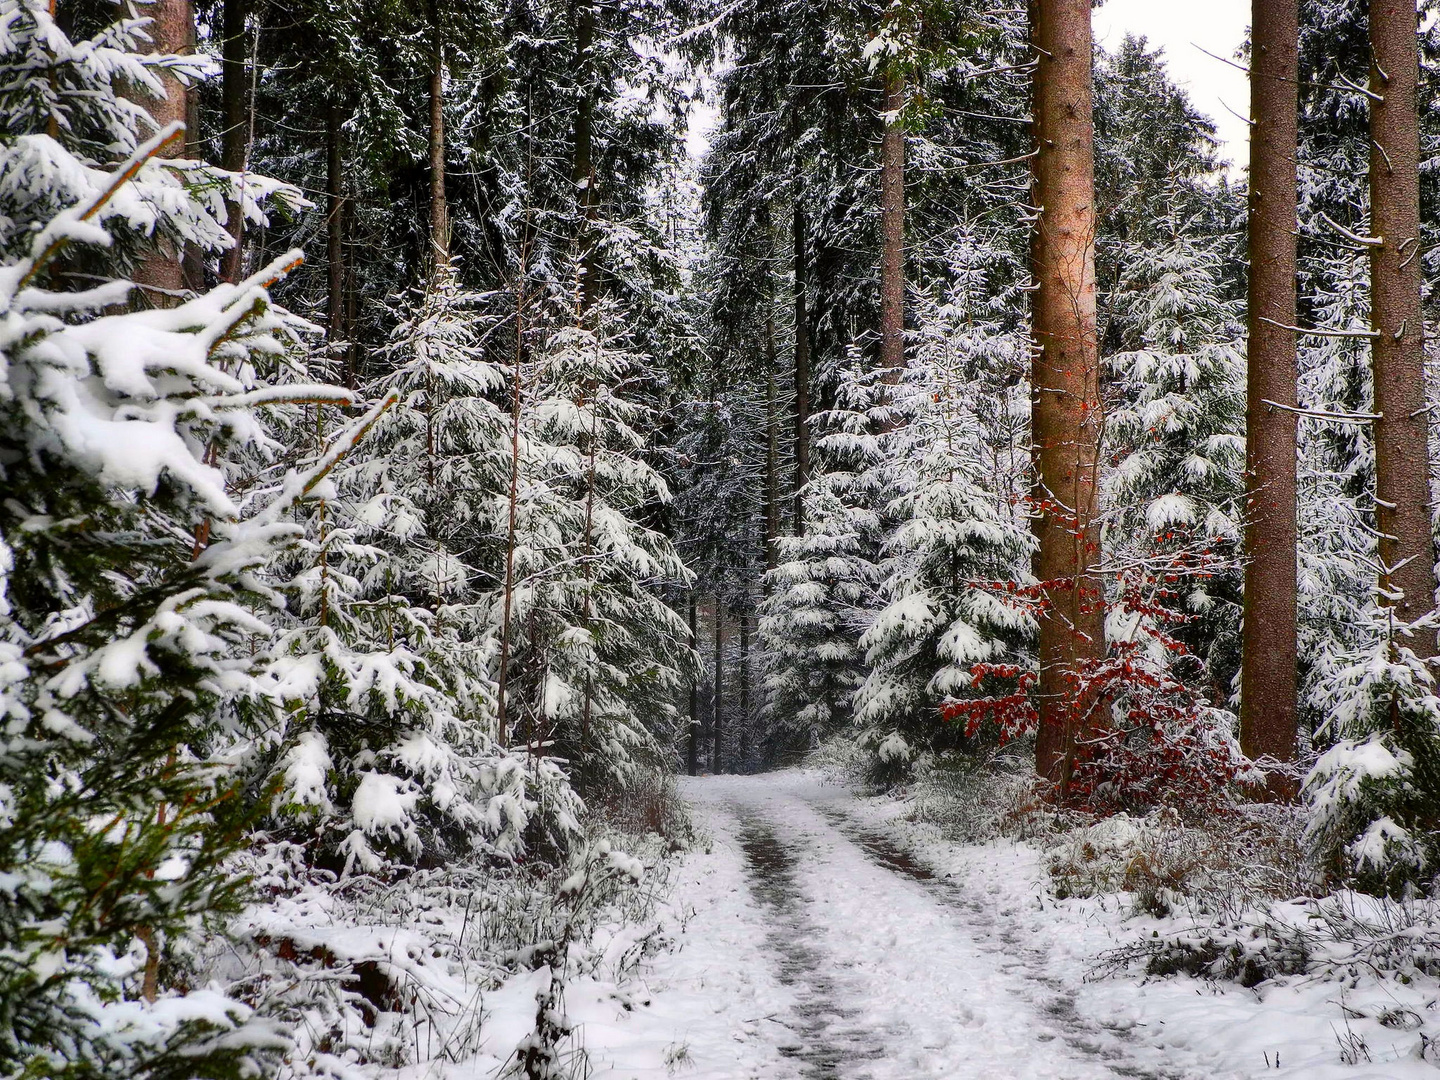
x=1179 y=26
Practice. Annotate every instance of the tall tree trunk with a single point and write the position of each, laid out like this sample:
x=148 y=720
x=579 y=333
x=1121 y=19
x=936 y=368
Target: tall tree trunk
x=741 y=745
x=334 y=229
x=1268 y=670
x=802 y=372
x=1402 y=459
x=502 y=685
x=584 y=169
x=772 y=447
x=352 y=354
x=439 y=207
x=1067 y=420
x=692 y=753
x=717 y=761
x=892 y=233
x=234 y=141
x=172 y=30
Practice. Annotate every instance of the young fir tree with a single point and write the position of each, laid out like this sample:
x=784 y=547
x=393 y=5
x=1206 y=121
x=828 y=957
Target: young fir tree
x=952 y=546
x=388 y=752
x=596 y=658
x=953 y=532
x=1177 y=444
x=821 y=592
x=129 y=588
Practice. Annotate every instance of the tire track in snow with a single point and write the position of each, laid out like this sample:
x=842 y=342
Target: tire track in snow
x=1113 y=1045
x=829 y=1040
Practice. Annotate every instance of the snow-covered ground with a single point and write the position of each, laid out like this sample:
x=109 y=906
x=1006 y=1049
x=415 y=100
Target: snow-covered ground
x=818 y=934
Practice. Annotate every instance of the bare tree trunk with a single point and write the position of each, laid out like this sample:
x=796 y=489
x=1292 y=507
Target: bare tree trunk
x=1402 y=460
x=334 y=229
x=772 y=447
x=741 y=747
x=172 y=30
x=693 y=750
x=1067 y=421
x=1268 y=671
x=508 y=602
x=584 y=169
x=234 y=139
x=892 y=233
x=352 y=354
x=802 y=373
x=717 y=764
x=439 y=207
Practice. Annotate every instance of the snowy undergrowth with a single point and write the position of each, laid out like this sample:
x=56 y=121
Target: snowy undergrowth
x=1285 y=974
x=464 y=965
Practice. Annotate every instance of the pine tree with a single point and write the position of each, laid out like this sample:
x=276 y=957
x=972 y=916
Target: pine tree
x=1267 y=697
x=1066 y=420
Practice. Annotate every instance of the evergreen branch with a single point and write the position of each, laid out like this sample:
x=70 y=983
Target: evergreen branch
x=55 y=237
x=298 y=486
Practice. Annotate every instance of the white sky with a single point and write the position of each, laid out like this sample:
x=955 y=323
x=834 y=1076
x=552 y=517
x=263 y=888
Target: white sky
x=1178 y=26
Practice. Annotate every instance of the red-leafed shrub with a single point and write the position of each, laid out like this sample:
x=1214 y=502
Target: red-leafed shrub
x=1154 y=739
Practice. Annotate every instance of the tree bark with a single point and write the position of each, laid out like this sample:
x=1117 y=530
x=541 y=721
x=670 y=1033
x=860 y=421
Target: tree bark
x=584 y=169
x=234 y=140
x=772 y=448
x=892 y=234
x=717 y=762
x=741 y=747
x=334 y=230
x=1402 y=459
x=172 y=30
x=439 y=207
x=1067 y=420
x=802 y=373
x=693 y=750
x=1268 y=668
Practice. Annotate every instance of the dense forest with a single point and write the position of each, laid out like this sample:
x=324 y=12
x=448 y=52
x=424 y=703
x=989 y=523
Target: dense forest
x=426 y=430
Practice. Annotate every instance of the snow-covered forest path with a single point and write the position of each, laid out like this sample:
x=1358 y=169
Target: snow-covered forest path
x=815 y=947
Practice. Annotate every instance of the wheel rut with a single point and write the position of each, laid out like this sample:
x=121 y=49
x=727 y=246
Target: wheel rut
x=828 y=1040
x=1112 y=1046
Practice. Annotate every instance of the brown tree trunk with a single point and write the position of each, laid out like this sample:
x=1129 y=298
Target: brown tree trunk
x=692 y=753
x=802 y=374
x=234 y=139
x=892 y=234
x=772 y=448
x=172 y=30
x=1402 y=459
x=717 y=762
x=334 y=230
x=439 y=207
x=1268 y=671
x=1067 y=420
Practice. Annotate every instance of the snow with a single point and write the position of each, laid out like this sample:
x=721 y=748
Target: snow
x=818 y=934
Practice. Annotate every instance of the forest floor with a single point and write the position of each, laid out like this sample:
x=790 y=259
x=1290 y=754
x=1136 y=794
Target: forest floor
x=820 y=934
